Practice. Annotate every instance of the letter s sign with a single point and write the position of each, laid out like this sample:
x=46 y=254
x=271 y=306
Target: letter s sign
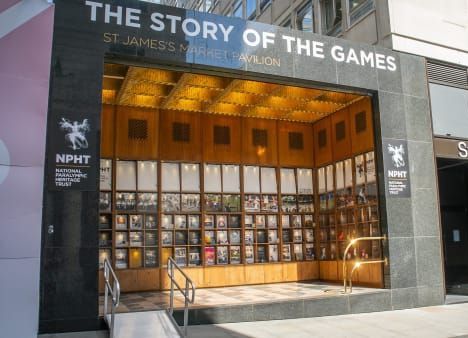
x=462 y=150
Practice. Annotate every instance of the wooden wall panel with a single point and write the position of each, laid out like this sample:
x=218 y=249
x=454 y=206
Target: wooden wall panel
x=174 y=150
x=257 y=154
x=323 y=155
x=148 y=279
x=363 y=140
x=295 y=157
x=329 y=270
x=224 y=153
x=309 y=270
x=273 y=273
x=255 y=274
x=342 y=147
x=136 y=148
x=107 y=130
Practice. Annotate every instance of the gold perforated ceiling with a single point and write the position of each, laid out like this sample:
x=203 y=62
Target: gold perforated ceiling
x=157 y=88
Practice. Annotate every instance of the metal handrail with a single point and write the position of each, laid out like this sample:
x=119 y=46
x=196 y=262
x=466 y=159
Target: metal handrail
x=351 y=243
x=358 y=264
x=115 y=294
x=189 y=286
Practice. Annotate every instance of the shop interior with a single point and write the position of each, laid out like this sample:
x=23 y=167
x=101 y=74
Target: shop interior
x=240 y=181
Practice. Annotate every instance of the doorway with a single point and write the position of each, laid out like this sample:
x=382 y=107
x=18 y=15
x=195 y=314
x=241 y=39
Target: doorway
x=453 y=194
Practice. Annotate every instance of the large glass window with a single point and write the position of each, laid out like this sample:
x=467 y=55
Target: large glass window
x=359 y=8
x=305 y=18
x=331 y=16
x=449 y=110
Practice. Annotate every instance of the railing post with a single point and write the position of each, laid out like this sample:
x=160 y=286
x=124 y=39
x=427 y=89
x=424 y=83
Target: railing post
x=171 y=299
x=106 y=288
x=186 y=306
x=111 y=329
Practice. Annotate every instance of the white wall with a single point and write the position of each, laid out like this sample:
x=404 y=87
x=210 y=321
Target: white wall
x=25 y=51
x=436 y=29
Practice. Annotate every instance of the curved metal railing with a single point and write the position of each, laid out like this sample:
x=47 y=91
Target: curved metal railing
x=114 y=290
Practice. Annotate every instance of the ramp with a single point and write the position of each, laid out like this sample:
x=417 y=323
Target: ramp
x=148 y=324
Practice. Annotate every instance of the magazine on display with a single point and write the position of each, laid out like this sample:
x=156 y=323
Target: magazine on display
x=249 y=254
x=222 y=237
x=210 y=237
x=210 y=255
x=298 y=256
x=221 y=221
x=121 y=258
x=136 y=222
x=309 y=252
x=248 y=220
x=231 y=203
x=105 y=222
x=273 y=253
x=305 y=203
x=209 y=221
x=105 y=201
x=167 y=222
x=235 y=254
x=151 y=238
x=194 y=238
x=166 y=238
x=297 y=235
x=190 y=202
x=272 y=221
x=151 y=221
x=261 y=254
x=249 y=237
x=286 y=236
x=286 y=252
x=261 y=236
x=235 y=237
x=222 y=254
x=269 y=203
x=136 y=238
x=213 y=203
x=252 y=203
x=180 y=256
x=273 y=236
x=194 y=222
x=181 y=238
x=309 y=235
x=194 y=257
x=309 y=221
x=285 y=221
x=147 y=202
x=151 y=260
x=234 y=221
x=288 y=203
x=260 y=221
x=121 y=239
x=105 y=239
x=296 y=221
x=180 y=221
x=103 y=254
x=121 y=222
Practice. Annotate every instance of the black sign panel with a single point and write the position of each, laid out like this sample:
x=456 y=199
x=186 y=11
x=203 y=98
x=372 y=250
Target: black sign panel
x=72 y=154
x=397 y=175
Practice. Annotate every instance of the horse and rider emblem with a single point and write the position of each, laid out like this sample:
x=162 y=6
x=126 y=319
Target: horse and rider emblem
x=75 y=133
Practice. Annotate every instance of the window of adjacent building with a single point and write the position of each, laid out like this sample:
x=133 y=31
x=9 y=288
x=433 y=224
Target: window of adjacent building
x=250 y=8
x=358 y=9
x=449 y=110
x=305 y=18
x=237 y=9
x=331 y=16
x=264 y=4
x=287 y=23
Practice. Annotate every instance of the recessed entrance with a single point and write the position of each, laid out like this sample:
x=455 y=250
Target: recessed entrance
x=240 y=181
x=453 y=192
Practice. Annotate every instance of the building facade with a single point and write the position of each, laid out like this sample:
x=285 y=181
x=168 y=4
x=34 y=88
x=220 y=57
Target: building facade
x=145 y=100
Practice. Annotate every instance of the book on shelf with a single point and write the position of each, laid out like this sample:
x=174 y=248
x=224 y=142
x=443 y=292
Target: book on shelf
x=136 y=238
x=234 y=236
x=166 y=238
x=248 y=221
x=296 y=221
x=286 y=252
x=194 y=222
x=309 y=221
x=297 y=235
x=273 y=236
x=167 y=222
x=273 y=253
x=194 y=257
x=235 y=254
x=180 y=222
x=150 y=221
x=121 y=222
x=210 y=237
x=309 y=252
x=105 y=222
x=151 y=258
x=272 y=221
x=180 y=256
x=222 y=237
x=121 y=239
x=209 y=221
x=261 y=254
x=180 y=238
x=222 y=255
x=309 y=235
x=261 y=236
x=234 y=221
x=260 y=221
x=221 y=221
x=210 y=255
x=249 y=254
x=249 y=237
x=194 y=237
x=298 y=255
x=136 y=222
